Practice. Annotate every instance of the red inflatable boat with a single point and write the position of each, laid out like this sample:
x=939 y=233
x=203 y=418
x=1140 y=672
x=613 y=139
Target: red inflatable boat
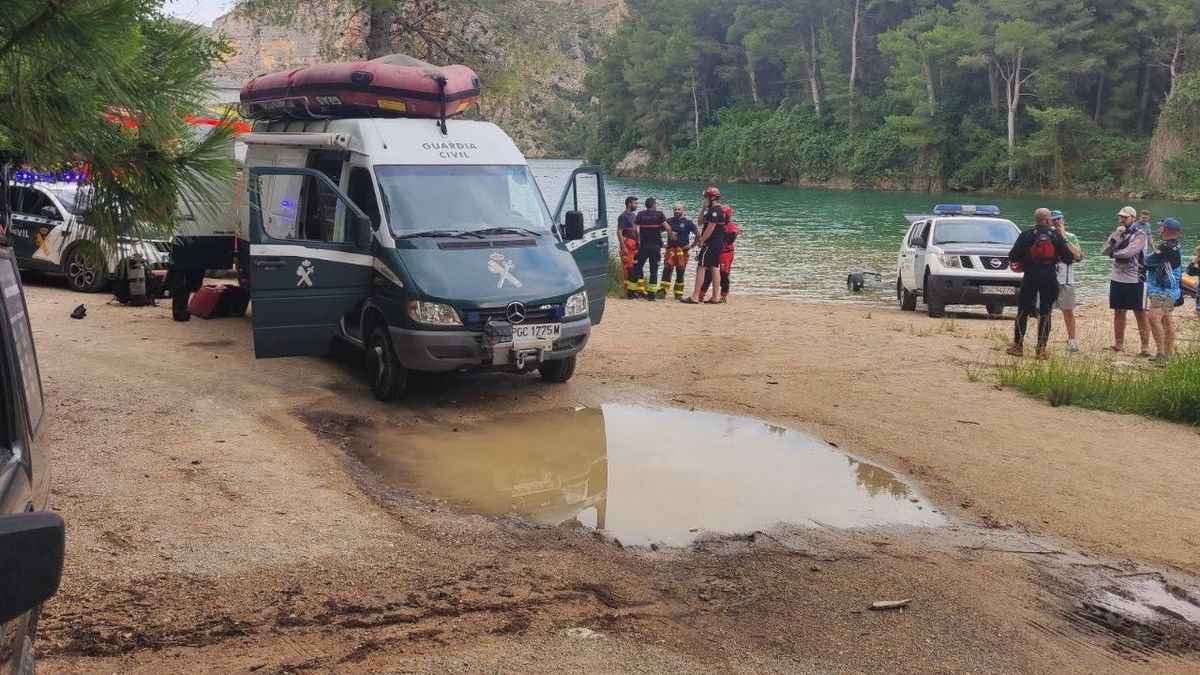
x=390 y=86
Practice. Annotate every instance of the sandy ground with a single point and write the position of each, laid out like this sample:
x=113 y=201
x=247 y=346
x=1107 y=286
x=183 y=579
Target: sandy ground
x=210 y=530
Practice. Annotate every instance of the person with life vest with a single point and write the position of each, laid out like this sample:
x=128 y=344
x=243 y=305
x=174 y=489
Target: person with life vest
x=627 y=242
x=651 y=224
x=1127 y=283
x=680 y=242
x=1067 y=300
x=1164 y=287
x=1038 y=251
x=732 y=229
x=711 y=243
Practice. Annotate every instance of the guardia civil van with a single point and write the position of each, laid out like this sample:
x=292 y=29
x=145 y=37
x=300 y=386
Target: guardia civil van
x=428 y=246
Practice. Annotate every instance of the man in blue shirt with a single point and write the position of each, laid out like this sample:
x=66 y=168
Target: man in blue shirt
x=682 y=231
x=1164 y=271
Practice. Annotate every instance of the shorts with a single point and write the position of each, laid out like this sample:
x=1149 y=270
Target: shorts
x=1066 y=298
x=711 y=257
x=676 y=257
x=1126 y=295
x=1161 y=302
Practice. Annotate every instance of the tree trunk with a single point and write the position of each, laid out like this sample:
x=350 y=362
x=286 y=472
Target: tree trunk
x=695 y=111
x=753 y=81
x=1144 y=101
x=994 y=88
x=930 y=90
x=1098 y=113
x=380 y=21
x=814 y=67
x=853 y=63
x=1013 y=92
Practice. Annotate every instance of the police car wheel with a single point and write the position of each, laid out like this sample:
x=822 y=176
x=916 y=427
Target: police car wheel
x=908 y=301
x=384 y=372
x=557 y=371
x=83 y=271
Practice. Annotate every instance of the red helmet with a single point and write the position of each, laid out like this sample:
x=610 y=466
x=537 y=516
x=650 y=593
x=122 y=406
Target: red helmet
x=728 y=211
x=712 y=193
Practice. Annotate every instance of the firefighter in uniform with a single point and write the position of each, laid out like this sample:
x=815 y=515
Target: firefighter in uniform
x=651 y=224
x=627 y=238
x=732 y=230
x=676 y=258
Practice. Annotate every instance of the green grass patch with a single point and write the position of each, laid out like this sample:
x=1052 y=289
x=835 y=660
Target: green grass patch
x=1171 y=392
x=616 y=280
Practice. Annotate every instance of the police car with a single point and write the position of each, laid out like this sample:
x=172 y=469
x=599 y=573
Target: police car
x=49 y=236
x=958 y=255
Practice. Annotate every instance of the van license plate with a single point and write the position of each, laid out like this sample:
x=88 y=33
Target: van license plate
x=997 y=290
x=536 y=331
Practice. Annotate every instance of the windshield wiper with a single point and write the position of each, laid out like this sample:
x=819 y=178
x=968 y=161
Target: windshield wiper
x=506 y=230
x=438 y=234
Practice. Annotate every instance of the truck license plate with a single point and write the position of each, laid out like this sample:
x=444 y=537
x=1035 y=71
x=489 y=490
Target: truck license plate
x=536 y=331
x=997 y=290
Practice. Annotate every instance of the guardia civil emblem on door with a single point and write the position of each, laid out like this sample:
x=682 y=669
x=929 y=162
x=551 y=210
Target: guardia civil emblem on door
x=305 y=272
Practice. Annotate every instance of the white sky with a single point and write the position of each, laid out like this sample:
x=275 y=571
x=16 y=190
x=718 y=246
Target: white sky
x=197 y=11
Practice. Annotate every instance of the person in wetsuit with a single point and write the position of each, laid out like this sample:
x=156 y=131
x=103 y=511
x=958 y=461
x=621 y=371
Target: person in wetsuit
x=651 y=224
x=627 y=240
x=676 y=258
x=712 y=243
x=1038 y=250
x=732 y=230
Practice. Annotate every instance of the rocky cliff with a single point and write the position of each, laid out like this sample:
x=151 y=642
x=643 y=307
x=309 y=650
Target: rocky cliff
x=531 y=55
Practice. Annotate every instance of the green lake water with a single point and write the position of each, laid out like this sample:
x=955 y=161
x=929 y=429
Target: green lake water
x=800 y=243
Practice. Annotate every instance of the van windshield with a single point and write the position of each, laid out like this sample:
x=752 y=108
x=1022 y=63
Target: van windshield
x=466 y=198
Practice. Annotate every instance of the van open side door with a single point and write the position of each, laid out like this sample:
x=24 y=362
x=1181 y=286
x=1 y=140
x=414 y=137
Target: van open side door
x=310 y=260
x=584 y=192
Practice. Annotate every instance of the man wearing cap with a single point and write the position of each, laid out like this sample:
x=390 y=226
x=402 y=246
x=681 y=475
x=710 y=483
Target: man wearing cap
x=1127 y=284
x=1164 y=272
x=1067 y=302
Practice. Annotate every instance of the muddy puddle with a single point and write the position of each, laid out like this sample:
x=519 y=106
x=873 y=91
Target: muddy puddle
x=645 y=476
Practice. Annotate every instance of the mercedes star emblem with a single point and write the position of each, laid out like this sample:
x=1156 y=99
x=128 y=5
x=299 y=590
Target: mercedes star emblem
x=515 y=312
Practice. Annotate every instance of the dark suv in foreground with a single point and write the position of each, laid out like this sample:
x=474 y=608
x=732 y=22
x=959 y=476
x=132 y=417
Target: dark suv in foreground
x=31 y=538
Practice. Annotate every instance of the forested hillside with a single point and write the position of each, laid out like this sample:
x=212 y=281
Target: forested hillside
x=1078 y=95
x=531 y=55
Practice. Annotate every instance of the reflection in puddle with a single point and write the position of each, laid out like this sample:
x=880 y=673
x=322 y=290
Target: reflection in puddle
x=644 y=475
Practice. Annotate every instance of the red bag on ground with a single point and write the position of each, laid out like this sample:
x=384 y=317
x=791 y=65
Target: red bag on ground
x=204 y=302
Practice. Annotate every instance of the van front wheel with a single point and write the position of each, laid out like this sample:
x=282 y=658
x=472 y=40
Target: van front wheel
x=384 y=372
x=557 y=371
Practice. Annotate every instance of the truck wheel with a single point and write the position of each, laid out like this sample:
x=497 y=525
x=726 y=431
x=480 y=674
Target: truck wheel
x=84 y=270
x=557 y=371
x=908 y=301
x=384 y=372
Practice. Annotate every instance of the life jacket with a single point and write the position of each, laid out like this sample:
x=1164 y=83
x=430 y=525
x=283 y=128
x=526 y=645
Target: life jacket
x=1043 y=252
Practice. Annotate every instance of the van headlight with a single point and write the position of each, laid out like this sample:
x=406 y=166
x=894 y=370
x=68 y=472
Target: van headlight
x=577 y=306
x=433 y=313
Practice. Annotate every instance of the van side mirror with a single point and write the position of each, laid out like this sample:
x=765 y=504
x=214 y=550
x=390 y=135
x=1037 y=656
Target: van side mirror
x=573 y=227
x=31 y=555
x=363 y=229
x=50 y=213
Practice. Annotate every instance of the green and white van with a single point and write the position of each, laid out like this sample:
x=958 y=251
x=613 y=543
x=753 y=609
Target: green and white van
x=431 y=251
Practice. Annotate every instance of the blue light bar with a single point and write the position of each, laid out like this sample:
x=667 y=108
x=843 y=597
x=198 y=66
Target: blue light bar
x=966 y=210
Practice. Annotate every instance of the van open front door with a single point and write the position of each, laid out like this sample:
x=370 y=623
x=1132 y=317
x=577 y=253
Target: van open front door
x=585 y=193
x=310 y=260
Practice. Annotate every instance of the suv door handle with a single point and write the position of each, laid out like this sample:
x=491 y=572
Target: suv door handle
x=269 y=263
